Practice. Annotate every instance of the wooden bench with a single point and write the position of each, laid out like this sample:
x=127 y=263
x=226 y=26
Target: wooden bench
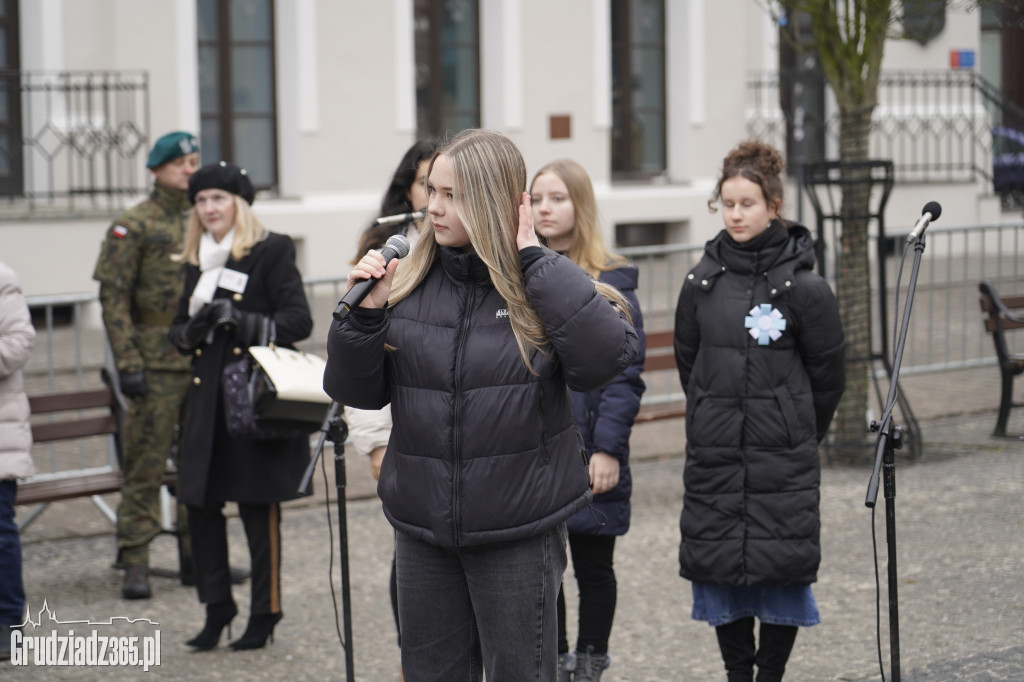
x=660 y=356
x=1003 y=314
x=69 y=425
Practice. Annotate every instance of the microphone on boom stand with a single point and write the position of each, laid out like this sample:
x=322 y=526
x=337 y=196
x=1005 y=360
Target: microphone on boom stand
x=890 y=437
x=930 y=212
x=401 y=218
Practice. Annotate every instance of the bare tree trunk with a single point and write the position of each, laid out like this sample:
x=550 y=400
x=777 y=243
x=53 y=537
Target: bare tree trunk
x=851 y=443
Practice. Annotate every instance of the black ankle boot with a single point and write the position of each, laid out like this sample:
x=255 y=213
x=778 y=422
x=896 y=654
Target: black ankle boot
x=136 y=582
x=260 y=627
x=218 y=616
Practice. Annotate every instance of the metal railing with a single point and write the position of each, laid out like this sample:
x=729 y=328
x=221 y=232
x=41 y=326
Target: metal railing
x=946 y=331
x=936 y=126
x=74 y=142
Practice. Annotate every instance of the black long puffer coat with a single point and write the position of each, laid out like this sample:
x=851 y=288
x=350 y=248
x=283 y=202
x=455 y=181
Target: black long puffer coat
x=759 y=346
x=481 y=449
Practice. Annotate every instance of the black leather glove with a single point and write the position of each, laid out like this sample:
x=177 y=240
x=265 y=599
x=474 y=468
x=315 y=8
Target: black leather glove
x=205 y=319
x=249 y=326
x=133 y=384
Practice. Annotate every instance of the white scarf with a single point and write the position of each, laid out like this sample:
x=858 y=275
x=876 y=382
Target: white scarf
x=213 y=255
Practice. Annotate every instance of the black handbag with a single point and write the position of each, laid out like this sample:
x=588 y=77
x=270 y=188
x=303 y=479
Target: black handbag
x=274 y=393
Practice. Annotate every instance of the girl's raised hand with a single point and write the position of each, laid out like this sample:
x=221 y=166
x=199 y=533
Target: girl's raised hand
x=527 y=235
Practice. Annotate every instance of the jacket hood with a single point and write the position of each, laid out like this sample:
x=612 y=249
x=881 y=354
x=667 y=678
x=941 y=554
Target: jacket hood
x=778 y=260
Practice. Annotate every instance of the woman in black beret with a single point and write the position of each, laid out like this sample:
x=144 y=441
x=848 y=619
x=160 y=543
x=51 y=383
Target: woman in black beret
x=237 y=273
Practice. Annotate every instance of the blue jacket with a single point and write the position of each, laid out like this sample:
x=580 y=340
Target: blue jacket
x=605 y=420
x=482 y=450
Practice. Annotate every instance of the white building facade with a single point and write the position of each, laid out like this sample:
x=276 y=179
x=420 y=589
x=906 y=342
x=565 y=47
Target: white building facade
x=326 y=95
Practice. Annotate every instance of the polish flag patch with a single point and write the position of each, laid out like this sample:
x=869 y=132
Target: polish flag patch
x=120 y=231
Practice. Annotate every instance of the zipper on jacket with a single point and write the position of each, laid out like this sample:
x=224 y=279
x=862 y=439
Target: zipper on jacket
x=457 y=417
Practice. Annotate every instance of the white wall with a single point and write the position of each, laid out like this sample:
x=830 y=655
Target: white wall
x=346 y=103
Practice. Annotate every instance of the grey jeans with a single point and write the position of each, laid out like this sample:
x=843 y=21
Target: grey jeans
x=489 y=608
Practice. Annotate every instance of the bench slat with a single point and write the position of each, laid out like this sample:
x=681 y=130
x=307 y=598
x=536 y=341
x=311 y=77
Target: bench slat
x=68 y=488
x=63 y=424
x=650 y=413
x=45 y=432
x=659 y=361
x=660 y=357
x=990 y=324
x=72 y=400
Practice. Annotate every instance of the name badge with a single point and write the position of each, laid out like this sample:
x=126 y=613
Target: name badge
x=233 y=280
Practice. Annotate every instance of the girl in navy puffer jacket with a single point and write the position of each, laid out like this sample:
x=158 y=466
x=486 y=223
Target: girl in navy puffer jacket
x=566 y=213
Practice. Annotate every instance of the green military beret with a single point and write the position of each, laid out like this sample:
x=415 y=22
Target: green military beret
x=170 y=147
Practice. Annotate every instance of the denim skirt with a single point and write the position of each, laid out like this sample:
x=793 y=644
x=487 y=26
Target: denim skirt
x=776 y=604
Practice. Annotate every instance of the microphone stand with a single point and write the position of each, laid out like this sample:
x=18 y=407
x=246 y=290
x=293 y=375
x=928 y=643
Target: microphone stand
x=890 y=439
x=335 y=429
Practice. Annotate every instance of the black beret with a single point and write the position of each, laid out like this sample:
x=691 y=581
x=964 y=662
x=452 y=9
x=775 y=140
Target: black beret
x=223 y=175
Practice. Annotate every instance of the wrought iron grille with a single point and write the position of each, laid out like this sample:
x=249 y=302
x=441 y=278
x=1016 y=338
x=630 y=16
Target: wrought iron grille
x=72 y=141
x=936 y=126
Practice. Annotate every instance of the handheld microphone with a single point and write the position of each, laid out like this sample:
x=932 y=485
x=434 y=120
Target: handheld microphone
x=400 y=218
x=397 y=246
x=930 y=212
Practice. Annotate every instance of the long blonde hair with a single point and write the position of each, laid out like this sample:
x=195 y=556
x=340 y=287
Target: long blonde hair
x=588 y=248
x=488 y=179
x=248 y=232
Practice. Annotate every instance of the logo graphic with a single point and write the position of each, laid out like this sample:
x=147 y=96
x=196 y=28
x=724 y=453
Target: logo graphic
x=59 y=648
x=765 y=323
x=502 y=312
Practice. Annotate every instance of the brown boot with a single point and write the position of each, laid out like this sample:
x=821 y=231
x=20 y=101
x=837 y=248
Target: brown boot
x=136 y=582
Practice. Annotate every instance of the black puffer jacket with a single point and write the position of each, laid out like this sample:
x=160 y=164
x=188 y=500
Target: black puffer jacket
x=759 y=346
x=481 y=449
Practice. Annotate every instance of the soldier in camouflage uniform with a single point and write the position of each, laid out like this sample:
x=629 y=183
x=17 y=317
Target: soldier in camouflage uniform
x=139 y=290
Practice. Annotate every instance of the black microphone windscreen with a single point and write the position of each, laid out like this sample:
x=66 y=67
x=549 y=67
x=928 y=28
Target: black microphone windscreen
x=933 y=208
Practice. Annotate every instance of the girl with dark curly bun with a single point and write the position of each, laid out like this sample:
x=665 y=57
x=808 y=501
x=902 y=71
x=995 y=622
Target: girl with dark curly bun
x=759 y=346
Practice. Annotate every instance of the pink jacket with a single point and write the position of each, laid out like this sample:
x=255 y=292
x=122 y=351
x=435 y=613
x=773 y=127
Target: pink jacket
x=16 y=339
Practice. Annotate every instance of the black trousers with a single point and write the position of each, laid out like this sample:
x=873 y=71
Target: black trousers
x=736 y=641
x=595 y=575
x=262 y=523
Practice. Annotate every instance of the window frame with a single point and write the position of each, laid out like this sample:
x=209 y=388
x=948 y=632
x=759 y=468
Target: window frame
x=623 y=108
x=431 y=115
x=12 y=183
x=226 y=117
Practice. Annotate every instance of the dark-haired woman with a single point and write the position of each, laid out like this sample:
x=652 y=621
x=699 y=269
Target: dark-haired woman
x=369 y=430
x=405 y=194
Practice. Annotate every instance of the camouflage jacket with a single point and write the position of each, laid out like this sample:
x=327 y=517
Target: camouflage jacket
x=139 y=283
